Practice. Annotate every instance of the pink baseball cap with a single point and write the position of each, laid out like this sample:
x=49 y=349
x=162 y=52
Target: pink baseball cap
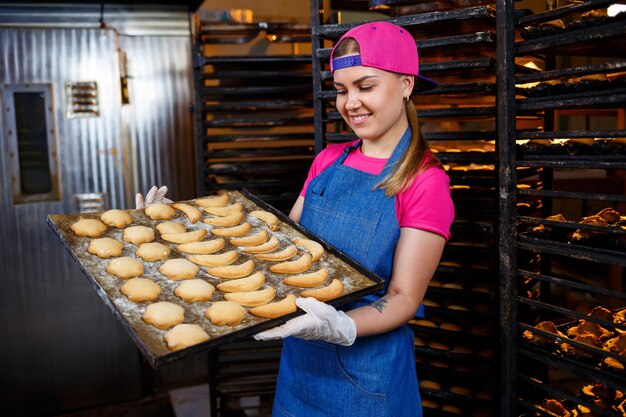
x=385 y=46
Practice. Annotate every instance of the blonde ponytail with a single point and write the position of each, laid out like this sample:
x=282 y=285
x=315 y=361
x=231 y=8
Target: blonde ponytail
x=411 y=162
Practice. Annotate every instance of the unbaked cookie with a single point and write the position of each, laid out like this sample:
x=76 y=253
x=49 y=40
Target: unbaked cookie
x=164 y=315
x=179 y=269
x=185 y=335
x=160 y=211
x=138 y=234
x=153 y=251
x=116 y=218
x=105 y=247
x=89 y=228
x=170 y=227
x=125 y=267
x=141 y=289
x=195 y=290
x=225 y=313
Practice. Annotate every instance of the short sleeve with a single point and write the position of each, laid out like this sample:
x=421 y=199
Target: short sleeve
x=427 y=204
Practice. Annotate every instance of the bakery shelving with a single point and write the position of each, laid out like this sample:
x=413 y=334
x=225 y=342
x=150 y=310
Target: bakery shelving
x=557 y=342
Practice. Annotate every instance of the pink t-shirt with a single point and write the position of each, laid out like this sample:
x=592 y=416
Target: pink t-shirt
x=425 y=205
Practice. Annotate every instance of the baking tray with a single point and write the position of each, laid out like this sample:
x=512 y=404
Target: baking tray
x=357 y=281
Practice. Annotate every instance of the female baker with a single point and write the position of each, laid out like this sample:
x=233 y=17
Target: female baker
x=383 y=200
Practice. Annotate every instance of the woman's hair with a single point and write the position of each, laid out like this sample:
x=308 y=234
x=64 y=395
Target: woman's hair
x=413 y=160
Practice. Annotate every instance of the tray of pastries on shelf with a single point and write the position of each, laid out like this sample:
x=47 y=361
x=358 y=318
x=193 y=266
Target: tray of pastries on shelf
x=598 y=230
x=592 y=341
x=574 y=85
x=571 y=147
x=205 y=271
x=608 y=399
x=591 y=18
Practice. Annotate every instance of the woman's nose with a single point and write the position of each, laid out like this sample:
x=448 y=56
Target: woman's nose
x=353 y=101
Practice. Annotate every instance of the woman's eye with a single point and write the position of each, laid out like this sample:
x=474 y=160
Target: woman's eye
x=366 y=88
x=341 y=92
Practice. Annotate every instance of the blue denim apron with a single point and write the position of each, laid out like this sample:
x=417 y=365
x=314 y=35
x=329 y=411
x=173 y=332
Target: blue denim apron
x=376 y=375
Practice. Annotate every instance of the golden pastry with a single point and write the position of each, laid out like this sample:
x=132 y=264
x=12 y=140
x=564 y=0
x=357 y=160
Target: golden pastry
x=232 y=271
x=141 y=289
x=280 y=308
x=309 y=280
x=187 y=237
x=184 y=335
x=251 y=283
x=221 y=259
x=269 y=218
x=225 y=211
x=234 y=231
x=202 y=248
x=283 y=255
x=170 y=227
x=179 y=269
x=333 y=290
x=225 y=313
x=105 y=247
x=88 y=228
x=301 y=264
x=268 y=246
x=164 y=315
x=251 y=240
x=212 y=201
x=192 y=213
x=138 y=234
x=229 y=220
x=315 y=249
x=116 y=218
x=160 y=211
x=153 y=251
x=252 y=298
x=194 y=290
x=125 y=267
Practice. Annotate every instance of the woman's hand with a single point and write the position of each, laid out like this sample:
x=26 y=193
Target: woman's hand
x=322 y=322
x=155 y=195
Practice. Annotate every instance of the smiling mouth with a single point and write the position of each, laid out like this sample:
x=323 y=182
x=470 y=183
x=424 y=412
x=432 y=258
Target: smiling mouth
x=359 y=118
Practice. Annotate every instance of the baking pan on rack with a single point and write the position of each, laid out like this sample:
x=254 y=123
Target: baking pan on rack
x=357 y=281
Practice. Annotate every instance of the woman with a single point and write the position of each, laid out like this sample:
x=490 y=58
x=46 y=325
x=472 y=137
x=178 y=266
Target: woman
x=385 y=201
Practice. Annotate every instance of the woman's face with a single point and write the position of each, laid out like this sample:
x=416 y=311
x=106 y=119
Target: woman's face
x=371 y=101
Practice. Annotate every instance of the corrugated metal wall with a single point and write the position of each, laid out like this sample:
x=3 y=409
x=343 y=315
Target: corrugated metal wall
x=62 y=349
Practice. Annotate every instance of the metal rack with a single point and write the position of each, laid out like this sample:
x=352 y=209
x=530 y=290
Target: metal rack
x=254 y=114
x=571 y=261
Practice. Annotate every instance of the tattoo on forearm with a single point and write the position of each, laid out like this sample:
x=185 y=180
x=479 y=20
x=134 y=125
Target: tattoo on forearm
x=380 y=305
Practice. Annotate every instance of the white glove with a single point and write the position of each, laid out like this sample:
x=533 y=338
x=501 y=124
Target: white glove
x=155 y=195
x=322 y=322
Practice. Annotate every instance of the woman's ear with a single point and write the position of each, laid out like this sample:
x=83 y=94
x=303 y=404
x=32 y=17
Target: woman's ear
x=408 y=82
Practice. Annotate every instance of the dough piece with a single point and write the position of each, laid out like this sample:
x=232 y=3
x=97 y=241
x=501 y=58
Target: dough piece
x=252 y=298
x=309 y=280
x=280 y=308
x=116 y=218
x=283 y=255
x=202 y=248
x=233 y=271
x=88 y=227
x=138 y=234
x=105 y=247
x=229 y=220
x=269 y=218
x=153 y=251
x=251 y=240
x=160 y=211
x=225 y=313
x=251 y=283
x=170 y=227
x=212 y=201
x=268 y=246
x=293 y=267
x=222 y=259
x=333 y=290
x=234 y=231
x=179 y=269
x=192 y=213
x=185 y=335
x=141 y=289
x=315 y=249
x=225 y=211
x=195 y=290
x=164 y=315
x=193 y=236
x=125 y=267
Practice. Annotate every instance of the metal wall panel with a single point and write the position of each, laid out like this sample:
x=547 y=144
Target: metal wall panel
x=60 y=344
x=159 y=122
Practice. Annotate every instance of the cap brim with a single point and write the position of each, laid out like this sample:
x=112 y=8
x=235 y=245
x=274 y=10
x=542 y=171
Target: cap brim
x=424 y=84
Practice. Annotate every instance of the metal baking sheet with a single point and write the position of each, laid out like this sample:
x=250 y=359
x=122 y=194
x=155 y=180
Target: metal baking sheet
x=357 y=281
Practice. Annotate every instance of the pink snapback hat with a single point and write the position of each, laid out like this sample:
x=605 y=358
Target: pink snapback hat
x=385 y=46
